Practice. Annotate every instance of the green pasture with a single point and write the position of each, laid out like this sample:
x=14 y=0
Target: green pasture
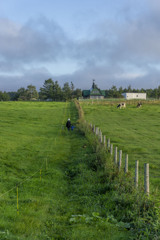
x=134 y=130
x=58 y=194
x=29 y=141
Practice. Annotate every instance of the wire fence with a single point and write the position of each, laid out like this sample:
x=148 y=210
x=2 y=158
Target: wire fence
x=117 y=158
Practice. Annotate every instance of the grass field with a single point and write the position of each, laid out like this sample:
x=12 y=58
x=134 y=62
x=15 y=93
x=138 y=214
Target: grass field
x=58 y=194
x=135 y=131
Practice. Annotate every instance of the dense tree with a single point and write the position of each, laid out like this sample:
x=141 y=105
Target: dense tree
x=129 y=89
x=77 y=93
x=158 y=92
x=21 y=94
x=120 y=91
x=31 y=93
x=57 y=92
x=51 y=91
x=47 y=91
x=72 y=89
x=67 y=92
x=12 y=95
x=4 y=96
x=113 y=92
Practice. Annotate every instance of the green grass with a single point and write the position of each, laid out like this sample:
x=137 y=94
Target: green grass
x=65 y=203
x=29 y=139
x=135 y=131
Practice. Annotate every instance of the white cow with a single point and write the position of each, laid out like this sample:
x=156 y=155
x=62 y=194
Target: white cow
x=121 y=105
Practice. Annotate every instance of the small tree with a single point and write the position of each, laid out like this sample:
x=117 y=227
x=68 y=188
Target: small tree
x=4 y=96
x=67 y=91
x=57 y=91
x=77 y=93
x=31 y=93
x=47 y=91
x=21 y=94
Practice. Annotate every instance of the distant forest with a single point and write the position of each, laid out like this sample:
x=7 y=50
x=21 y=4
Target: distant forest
x=51 y=91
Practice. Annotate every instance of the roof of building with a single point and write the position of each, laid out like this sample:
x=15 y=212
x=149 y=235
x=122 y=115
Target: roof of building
x=94 y=91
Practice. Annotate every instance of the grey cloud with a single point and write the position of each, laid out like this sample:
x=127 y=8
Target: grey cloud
x=105 y=79
x=40 y=40
x=34 y=76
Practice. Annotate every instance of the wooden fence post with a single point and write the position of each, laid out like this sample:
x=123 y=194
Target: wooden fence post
x=97 y=130
x=104 y=142
x=115 y=156
x=100 y=136
x=111 y=149
x=146 y=178
x=126 y=164
x=108 y=144
x=120 y=159
x=136 y=174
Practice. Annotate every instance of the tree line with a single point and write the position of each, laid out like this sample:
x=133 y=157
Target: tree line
x=52 y=91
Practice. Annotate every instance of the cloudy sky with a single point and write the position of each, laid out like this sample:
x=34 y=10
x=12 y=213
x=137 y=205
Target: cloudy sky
x=114 y=42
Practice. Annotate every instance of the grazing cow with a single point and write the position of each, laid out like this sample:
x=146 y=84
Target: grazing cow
x=121 y=105
x=139 y=105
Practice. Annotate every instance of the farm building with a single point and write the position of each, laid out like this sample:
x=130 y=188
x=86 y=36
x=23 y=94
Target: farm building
x=130 y=96
x=93 y=93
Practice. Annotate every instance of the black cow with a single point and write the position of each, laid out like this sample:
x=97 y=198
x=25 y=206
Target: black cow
x=139 y=105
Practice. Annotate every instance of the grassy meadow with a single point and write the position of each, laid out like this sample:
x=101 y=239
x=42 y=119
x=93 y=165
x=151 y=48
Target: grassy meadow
x=59 y=196
x=134 y=130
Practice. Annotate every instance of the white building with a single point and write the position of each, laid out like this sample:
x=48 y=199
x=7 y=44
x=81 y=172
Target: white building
x=130 y=96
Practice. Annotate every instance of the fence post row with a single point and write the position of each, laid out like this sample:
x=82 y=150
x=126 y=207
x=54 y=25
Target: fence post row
x=109 y=146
